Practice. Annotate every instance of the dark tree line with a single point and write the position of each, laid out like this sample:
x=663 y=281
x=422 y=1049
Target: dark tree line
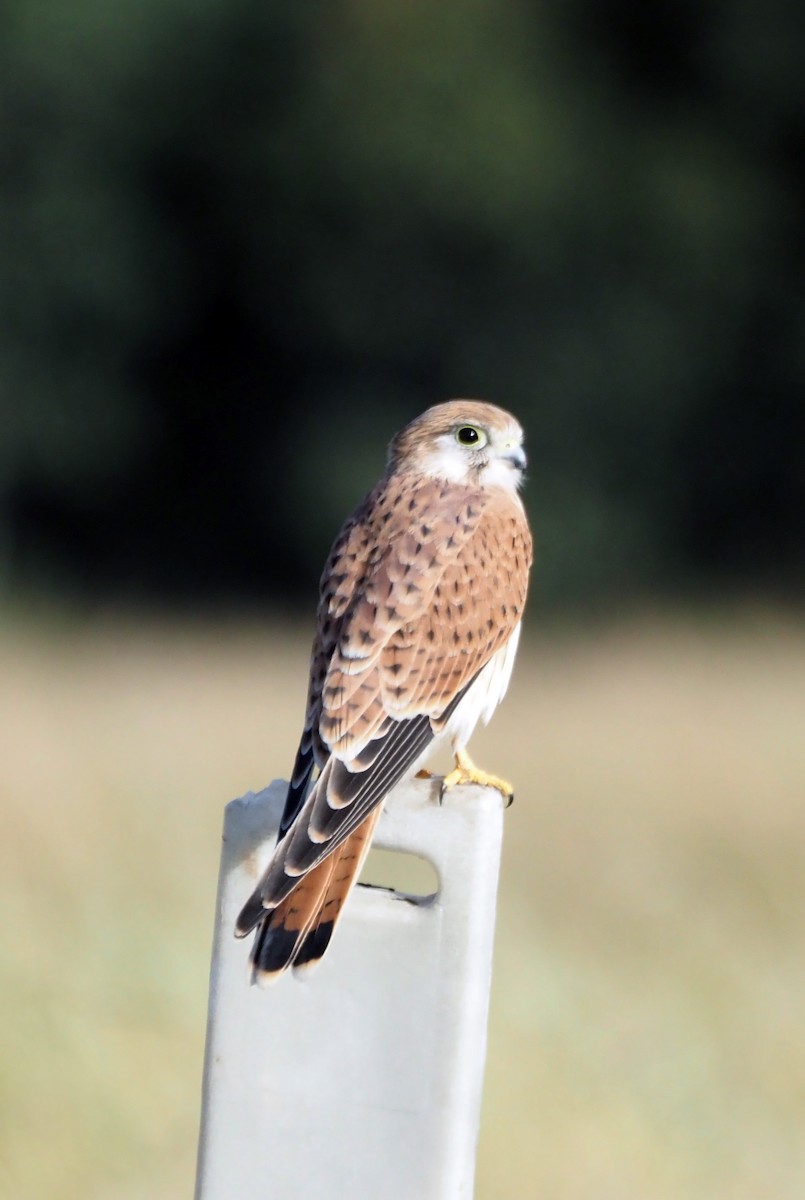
x=243 y=243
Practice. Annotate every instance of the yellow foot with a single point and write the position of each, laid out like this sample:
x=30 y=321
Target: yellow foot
x=465 y=771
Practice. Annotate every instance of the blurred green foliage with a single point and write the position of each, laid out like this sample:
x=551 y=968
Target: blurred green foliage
x=243 y=243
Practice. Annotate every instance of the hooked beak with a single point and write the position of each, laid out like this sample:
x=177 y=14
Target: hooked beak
x=517 y=457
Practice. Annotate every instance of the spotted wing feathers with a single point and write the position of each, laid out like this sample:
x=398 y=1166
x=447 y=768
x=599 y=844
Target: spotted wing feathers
x=424 y=584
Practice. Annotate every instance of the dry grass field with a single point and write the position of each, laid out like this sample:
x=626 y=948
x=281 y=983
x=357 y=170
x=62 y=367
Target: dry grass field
x=647 y=1039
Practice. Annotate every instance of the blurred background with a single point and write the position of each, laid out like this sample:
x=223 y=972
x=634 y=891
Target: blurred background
x=241 y=245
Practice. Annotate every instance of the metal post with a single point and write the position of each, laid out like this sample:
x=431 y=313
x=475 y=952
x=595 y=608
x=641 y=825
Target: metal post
x=363 y=1080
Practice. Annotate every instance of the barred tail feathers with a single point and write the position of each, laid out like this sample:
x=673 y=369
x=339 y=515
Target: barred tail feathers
x=297 y=932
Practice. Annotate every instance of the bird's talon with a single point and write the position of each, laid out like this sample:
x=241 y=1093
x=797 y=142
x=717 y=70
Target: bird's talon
x=465 y=771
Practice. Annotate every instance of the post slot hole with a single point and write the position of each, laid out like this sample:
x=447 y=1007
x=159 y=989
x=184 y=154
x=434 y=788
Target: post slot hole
x=409 y=874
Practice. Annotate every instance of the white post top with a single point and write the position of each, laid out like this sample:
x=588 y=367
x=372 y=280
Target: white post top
x=361 y=1081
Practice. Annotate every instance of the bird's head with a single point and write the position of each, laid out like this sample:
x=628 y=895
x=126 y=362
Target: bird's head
x=463 y=441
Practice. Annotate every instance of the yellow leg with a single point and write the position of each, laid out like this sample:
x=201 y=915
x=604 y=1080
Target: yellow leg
x=465 y=771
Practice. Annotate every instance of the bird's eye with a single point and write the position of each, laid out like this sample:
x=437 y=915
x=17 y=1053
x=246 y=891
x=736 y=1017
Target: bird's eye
x=468 y=435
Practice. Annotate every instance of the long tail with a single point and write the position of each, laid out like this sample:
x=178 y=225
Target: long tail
x=297 y=932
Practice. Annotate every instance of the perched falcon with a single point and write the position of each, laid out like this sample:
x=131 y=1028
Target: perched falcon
x=418 y=624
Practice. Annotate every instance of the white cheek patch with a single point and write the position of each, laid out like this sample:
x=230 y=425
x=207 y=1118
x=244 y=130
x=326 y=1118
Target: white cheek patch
x=447 y=460
x=501 y=473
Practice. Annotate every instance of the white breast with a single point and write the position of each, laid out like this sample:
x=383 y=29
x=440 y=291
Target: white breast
x=485 y=694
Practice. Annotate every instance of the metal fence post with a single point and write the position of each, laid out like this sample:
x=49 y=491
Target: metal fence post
x=364 y=1080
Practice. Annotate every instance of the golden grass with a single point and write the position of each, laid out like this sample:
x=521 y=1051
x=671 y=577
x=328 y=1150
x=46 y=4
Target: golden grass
x=647 y=1036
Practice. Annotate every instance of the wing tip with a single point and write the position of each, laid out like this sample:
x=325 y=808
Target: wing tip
x=253 y=911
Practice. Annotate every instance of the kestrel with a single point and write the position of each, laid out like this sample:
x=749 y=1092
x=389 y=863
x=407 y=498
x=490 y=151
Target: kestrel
x=417 y=629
